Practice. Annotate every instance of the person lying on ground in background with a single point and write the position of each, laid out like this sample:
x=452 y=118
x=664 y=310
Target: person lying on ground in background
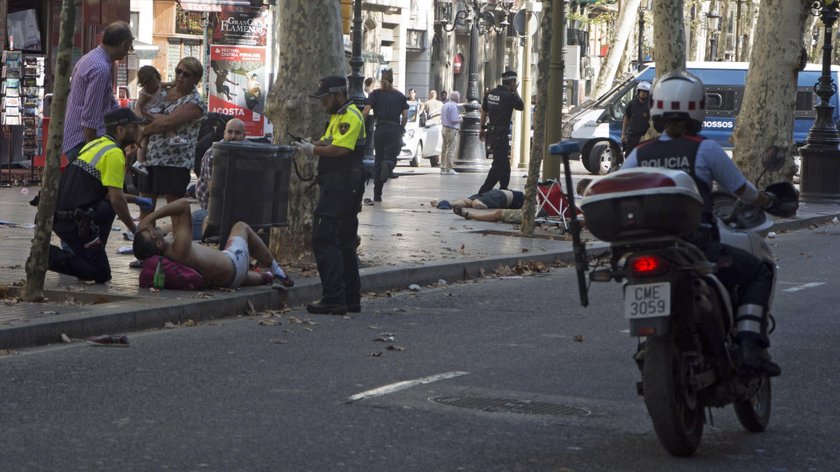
x=510 y=215
x=490 y=199
x=228 y=268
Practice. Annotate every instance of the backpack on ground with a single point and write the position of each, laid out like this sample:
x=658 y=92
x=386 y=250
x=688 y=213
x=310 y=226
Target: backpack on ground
x=176 y=276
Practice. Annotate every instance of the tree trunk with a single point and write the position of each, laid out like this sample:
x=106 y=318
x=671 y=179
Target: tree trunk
x=529 y=207
x=310 y=31
x=668 y=36
x=766 y=116
x=618 y=44
x=749 y=34
x=808 y=38
x=4 y=7
x=695 y=24
x=723 y=31
x=36 y=264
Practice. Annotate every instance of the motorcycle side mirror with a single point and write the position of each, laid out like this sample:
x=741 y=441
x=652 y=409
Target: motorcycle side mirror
x=773 y=158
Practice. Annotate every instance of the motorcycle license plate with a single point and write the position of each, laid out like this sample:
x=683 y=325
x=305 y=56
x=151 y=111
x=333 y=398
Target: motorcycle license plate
x=647 y=300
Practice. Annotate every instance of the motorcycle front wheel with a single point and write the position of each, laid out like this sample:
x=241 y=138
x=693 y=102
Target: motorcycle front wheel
x=754 y=413
x=676 y=414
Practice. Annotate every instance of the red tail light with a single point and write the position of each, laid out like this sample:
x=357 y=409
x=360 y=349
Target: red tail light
x=648 y=265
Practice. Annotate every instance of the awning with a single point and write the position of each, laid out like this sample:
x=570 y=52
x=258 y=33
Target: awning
x=219 y=5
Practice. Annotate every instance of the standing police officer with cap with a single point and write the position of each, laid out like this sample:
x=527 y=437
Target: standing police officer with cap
x=498 y=106
x=335 y=225
x=90 y=195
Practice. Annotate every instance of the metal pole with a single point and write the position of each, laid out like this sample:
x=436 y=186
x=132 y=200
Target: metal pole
x=820 y=173
x=356 y=78
x=525 y=134
x=471 y=156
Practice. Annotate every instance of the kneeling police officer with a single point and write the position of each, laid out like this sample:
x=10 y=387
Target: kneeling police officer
x=90 y=195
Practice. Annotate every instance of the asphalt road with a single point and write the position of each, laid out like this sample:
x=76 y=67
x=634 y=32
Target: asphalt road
x=519 y=378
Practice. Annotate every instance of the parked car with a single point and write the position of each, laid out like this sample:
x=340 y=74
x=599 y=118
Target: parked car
x=422 y=139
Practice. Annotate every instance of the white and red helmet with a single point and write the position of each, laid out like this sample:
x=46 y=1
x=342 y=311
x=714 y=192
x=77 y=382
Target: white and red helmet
x=678 y=95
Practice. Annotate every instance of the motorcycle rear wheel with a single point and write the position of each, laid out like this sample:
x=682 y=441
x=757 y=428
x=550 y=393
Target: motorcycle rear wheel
x=754 y=413
x=677 y=416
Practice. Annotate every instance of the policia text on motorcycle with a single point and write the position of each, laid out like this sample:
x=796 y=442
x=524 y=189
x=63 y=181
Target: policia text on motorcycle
x=679 y=109
x=90 y=195
x=340 y=176
x=497 y=108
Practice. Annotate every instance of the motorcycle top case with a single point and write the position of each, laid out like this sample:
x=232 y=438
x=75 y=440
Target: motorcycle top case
x=642 y=202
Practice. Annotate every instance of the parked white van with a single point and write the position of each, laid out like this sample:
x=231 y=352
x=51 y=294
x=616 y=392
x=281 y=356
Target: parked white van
x=596 y=124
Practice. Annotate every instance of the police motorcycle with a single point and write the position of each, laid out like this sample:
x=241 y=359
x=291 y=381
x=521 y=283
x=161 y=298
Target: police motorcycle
x=680 y=312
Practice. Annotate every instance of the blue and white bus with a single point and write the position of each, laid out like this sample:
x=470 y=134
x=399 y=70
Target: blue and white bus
x=596 y=124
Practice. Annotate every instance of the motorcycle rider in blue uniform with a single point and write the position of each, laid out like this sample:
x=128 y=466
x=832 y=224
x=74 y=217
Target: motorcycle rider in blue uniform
x=678 y=108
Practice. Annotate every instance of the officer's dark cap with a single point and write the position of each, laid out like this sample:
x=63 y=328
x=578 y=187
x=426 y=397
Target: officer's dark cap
x=331 y=84
x=121 y=116
x=509 y=75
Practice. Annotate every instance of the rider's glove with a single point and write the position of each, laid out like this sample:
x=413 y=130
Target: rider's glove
x=306 y=148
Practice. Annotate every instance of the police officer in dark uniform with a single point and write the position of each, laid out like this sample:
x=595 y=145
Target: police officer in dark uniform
x=390 y=108
x=90 y=196
x=636 y=118
x=498 y=107
x=335 y=224
x=679 y=110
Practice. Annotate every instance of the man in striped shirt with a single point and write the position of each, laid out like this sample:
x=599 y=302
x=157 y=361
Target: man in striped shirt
x=91 y=88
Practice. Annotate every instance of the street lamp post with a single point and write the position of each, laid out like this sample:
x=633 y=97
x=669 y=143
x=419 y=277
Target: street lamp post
x=712 y=22
x=480 y=20
x=357 y=78
x=820 y=172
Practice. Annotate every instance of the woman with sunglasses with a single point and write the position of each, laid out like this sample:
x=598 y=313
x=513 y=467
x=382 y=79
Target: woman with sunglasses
x=173 y=135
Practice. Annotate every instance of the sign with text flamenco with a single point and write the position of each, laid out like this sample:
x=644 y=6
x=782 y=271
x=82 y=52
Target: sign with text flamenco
x=241 y=27
x=237 y=85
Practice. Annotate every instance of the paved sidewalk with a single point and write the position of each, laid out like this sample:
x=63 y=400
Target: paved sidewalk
x=404 y=241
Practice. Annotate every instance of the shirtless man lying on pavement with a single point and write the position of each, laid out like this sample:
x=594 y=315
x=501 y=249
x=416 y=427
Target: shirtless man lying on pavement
x=228 y=268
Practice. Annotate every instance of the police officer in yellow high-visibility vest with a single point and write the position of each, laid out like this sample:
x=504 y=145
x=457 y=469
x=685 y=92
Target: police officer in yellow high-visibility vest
x=90 y=195
x=340 y=176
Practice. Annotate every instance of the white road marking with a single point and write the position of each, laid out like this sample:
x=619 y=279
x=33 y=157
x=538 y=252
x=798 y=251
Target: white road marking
x=395 y=387
x=803 y=286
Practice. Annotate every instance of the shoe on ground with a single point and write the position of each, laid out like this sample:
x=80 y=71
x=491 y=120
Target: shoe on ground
x=128 y=236
x=320 y=308
x=756 y=361
x=451 y=172
x=377 y=198
x=136 y=264
x=108 y=340
x=354 y=307
x=282 y=282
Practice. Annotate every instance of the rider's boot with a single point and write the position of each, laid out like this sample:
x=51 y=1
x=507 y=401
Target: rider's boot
x=751 y=323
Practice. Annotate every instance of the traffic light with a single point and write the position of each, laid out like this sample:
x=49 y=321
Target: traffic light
x=346 y=15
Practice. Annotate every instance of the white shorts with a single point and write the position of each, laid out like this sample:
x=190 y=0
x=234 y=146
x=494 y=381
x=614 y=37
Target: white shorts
x=237 y=250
